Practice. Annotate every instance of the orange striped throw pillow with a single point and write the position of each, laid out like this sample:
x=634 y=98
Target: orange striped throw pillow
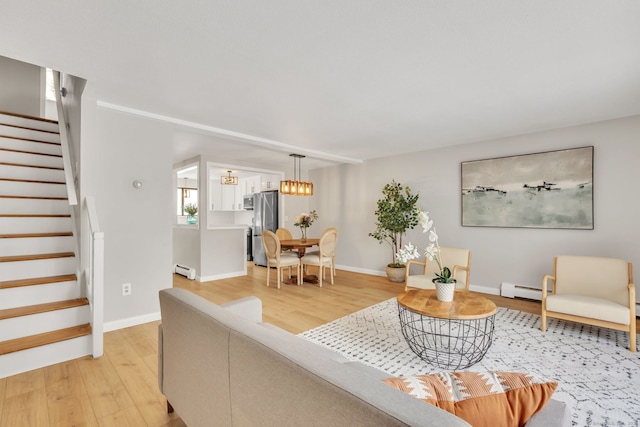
x=481 y=398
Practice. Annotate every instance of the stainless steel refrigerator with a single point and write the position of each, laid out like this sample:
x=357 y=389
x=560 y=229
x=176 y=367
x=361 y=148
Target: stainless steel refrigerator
x=265 y=217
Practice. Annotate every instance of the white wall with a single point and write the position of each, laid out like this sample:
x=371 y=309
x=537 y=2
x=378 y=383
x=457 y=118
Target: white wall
x=137 y=223
x=346 y=196
x=20 y=87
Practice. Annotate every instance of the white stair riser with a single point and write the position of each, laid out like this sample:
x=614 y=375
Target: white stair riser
x=39 y=294
x=32 y=189
x=28 y=123
x=35 y=206
x=35 y=245
x=30 y=159
x=37 y=268
x=39 y=357
x=13 y=225
x=38 y=174
x=29 y=134
x=23 y=326
x=34 y=147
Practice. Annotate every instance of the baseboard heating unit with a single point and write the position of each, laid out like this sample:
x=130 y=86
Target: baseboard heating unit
x=511 y=290
x=188 y=272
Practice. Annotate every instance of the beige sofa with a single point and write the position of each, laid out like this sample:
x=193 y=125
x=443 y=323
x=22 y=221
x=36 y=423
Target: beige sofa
x=221 y=366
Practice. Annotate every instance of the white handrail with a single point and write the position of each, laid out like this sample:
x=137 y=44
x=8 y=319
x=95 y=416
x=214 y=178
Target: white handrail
x=69 y=173
x=95 y=278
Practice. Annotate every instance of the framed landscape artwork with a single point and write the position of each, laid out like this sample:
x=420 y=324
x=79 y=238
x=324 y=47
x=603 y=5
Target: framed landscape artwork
x=553 y=189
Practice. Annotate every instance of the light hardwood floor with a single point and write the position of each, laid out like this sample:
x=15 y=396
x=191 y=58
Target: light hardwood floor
x=120 y=388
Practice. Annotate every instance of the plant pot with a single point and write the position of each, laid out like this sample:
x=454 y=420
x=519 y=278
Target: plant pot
x=191 y=219
x=396 y=274
x=445 y=291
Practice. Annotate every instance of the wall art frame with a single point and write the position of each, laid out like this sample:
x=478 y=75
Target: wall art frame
x=552 y=189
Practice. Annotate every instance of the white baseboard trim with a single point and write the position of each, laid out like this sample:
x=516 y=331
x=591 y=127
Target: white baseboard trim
x=131 y=321
x=484 y=290
x=221 y=276
x=361 y=270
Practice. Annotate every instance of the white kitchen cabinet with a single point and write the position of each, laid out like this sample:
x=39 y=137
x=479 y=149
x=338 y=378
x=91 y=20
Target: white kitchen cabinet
x=269 y=182
x=228 y=197
x=222 y=197
x=252 y=185
x=215 y=195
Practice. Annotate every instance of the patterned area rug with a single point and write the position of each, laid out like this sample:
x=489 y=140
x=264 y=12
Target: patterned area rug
x=598 y=377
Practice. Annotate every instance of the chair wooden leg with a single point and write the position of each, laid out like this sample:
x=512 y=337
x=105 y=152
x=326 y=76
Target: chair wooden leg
x=299 y=271
x=632 y=335
x=169 y=408
x=279 y=275
x=331 y=273
x=543 y=321
x=268 y=274
x=320 y=274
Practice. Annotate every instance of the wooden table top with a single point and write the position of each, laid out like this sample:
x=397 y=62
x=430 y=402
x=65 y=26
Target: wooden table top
x=297 y=243
x=465 y=305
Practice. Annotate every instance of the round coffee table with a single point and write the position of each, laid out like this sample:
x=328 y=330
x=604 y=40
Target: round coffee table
x=450 y=335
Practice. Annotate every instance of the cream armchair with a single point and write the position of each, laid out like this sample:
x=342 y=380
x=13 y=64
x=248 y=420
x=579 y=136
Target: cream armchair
x=458 y=260
x=593 y=290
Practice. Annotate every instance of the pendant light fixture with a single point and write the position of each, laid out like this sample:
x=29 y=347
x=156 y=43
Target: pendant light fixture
x=295 y=187
x=229 y=180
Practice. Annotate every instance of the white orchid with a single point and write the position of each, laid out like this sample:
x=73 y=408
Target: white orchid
x=408 y=252
x=432 y=251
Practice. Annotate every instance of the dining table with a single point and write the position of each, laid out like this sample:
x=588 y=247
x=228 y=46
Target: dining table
x=300 y=246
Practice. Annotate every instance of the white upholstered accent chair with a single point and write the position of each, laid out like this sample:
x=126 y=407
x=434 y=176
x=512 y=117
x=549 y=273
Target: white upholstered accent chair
x=458 y=260
x=275 y=258
x=593 y=290
x=325 y=256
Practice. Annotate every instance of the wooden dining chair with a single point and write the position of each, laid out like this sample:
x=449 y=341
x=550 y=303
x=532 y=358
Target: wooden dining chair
x=275 y=258
x=325 y=256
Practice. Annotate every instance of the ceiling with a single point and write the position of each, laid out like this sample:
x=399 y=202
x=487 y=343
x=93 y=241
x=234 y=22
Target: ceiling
x=340 y=81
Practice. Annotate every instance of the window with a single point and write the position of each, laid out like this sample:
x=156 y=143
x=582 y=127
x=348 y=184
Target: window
x=186 y=193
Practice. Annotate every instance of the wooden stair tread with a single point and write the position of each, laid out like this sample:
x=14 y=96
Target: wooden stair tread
x=25 y=343
x=26 y=116
x=28 y=128
x=13 y=150
x=24 y=165
x=28 y=235
x=34 y=181
x=36 y=256
x=32 y=215
x=29 y=139
x=37 y=281
x=42 y=308
x=33 y=197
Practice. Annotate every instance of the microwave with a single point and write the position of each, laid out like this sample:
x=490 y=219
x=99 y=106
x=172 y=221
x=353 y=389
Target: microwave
x=247 y=202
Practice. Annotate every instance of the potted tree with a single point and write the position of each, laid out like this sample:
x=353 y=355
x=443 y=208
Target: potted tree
x=396 y=213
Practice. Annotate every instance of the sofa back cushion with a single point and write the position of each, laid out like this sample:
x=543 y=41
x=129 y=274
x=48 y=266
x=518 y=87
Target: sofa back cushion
x=277 y=380
x=596 y=277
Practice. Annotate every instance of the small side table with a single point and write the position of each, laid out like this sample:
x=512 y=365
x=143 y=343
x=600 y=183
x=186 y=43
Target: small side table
x=450 y=335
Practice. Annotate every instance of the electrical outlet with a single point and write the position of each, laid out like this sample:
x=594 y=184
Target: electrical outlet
x=126 y=289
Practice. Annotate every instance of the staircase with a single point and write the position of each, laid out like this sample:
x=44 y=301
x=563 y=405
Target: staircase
x=44 y=318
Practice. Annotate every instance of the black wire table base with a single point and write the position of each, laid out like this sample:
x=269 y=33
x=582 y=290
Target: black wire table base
x=447 y=343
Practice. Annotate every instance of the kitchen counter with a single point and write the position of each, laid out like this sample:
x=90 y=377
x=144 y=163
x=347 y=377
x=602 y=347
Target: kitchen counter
x=227 y=226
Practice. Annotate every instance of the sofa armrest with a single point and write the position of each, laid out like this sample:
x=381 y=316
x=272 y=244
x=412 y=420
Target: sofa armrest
x=248 y=307
x=554 y=413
